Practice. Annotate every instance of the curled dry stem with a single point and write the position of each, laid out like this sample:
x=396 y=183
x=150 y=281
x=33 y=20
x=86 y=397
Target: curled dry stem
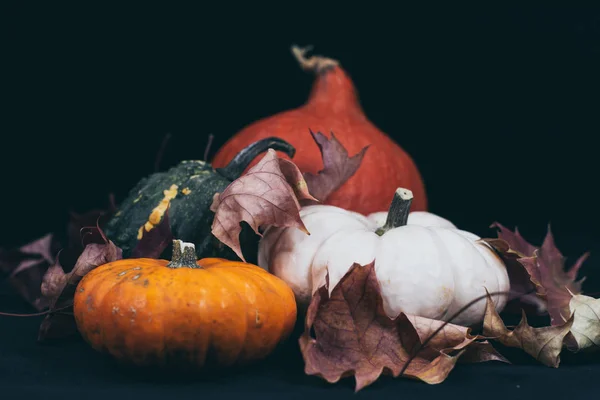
x=50 y=311
x=448 y=321
x=317 y=64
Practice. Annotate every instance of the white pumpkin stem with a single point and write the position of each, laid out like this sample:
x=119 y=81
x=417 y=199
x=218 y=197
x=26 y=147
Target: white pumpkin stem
x=184 y=255
x=399 y=210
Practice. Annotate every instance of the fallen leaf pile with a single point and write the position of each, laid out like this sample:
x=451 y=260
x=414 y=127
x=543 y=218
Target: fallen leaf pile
x=561 y=293
x=349 y=334
x=545 y=344
x=59 y=287
x=26 y=266
x=354 y=336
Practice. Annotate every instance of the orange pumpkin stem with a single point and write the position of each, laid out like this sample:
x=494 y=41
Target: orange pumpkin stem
x=184 y=255
x=315 y=64
x=398 y=212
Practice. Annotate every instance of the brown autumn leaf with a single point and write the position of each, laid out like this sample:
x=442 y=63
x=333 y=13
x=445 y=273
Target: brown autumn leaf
x=59 y=287
x=454 y=336
x=25 y=267
x=585 y=332
x=154 y=242
x=564 y=296
x=354 y=336
x=522 y=294
x=337 y=166
x=515 y=240
x=553 y=283
x=82 y=225
x=268 y=194
x=558 y=288
x=294 y=178
x=544 y=344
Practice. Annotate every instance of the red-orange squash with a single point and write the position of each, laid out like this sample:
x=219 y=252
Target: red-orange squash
x=333 y=106
x=186 y=312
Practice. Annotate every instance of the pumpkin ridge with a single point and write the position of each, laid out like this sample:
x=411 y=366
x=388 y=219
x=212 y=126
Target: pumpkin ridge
x=284 y=293
x=199 y=278
x=273 y=247
x=439 y=243
x=119 y=279
x=105 y=286
x=86 y=289
x=149 y=294
x=477 y=247
x=165 y=315
x=261 y=299
x=149 y=269
x=223 y=274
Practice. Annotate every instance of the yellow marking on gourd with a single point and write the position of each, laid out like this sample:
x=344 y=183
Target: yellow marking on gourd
x=197 y=175
x=138 y=198
x=158 y=211
x=154 y=217
x=186 y=191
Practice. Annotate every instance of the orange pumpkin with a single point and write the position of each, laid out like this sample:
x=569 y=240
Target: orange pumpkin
x=185 y=312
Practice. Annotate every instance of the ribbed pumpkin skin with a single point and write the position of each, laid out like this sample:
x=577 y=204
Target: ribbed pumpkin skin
x=142 y=312
x=333 y=106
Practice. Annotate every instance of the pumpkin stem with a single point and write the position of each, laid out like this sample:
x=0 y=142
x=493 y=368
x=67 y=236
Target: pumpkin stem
x=240 y=162
x=184 y=255
x=316 y=64
x=399 y=210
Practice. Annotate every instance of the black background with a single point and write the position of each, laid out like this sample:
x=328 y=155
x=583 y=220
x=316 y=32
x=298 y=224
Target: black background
x=498 y=107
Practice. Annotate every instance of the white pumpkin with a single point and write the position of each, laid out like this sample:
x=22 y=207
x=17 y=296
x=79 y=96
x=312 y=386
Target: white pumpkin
x=425 y=265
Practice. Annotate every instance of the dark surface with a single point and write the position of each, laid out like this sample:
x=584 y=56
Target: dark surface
x=498 y=107
x=58 y=370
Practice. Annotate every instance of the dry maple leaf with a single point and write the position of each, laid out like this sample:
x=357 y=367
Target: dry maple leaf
x=354 y=336
x=268 y=194
x=522 y=290
x=585 y=332
x=553 y=283
x=25 y=267
x=544 y=344
x=453 y=336
x=89 y=219
x=338 y=167
x=517 y=243
x=559 y=288
x=59 y=287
